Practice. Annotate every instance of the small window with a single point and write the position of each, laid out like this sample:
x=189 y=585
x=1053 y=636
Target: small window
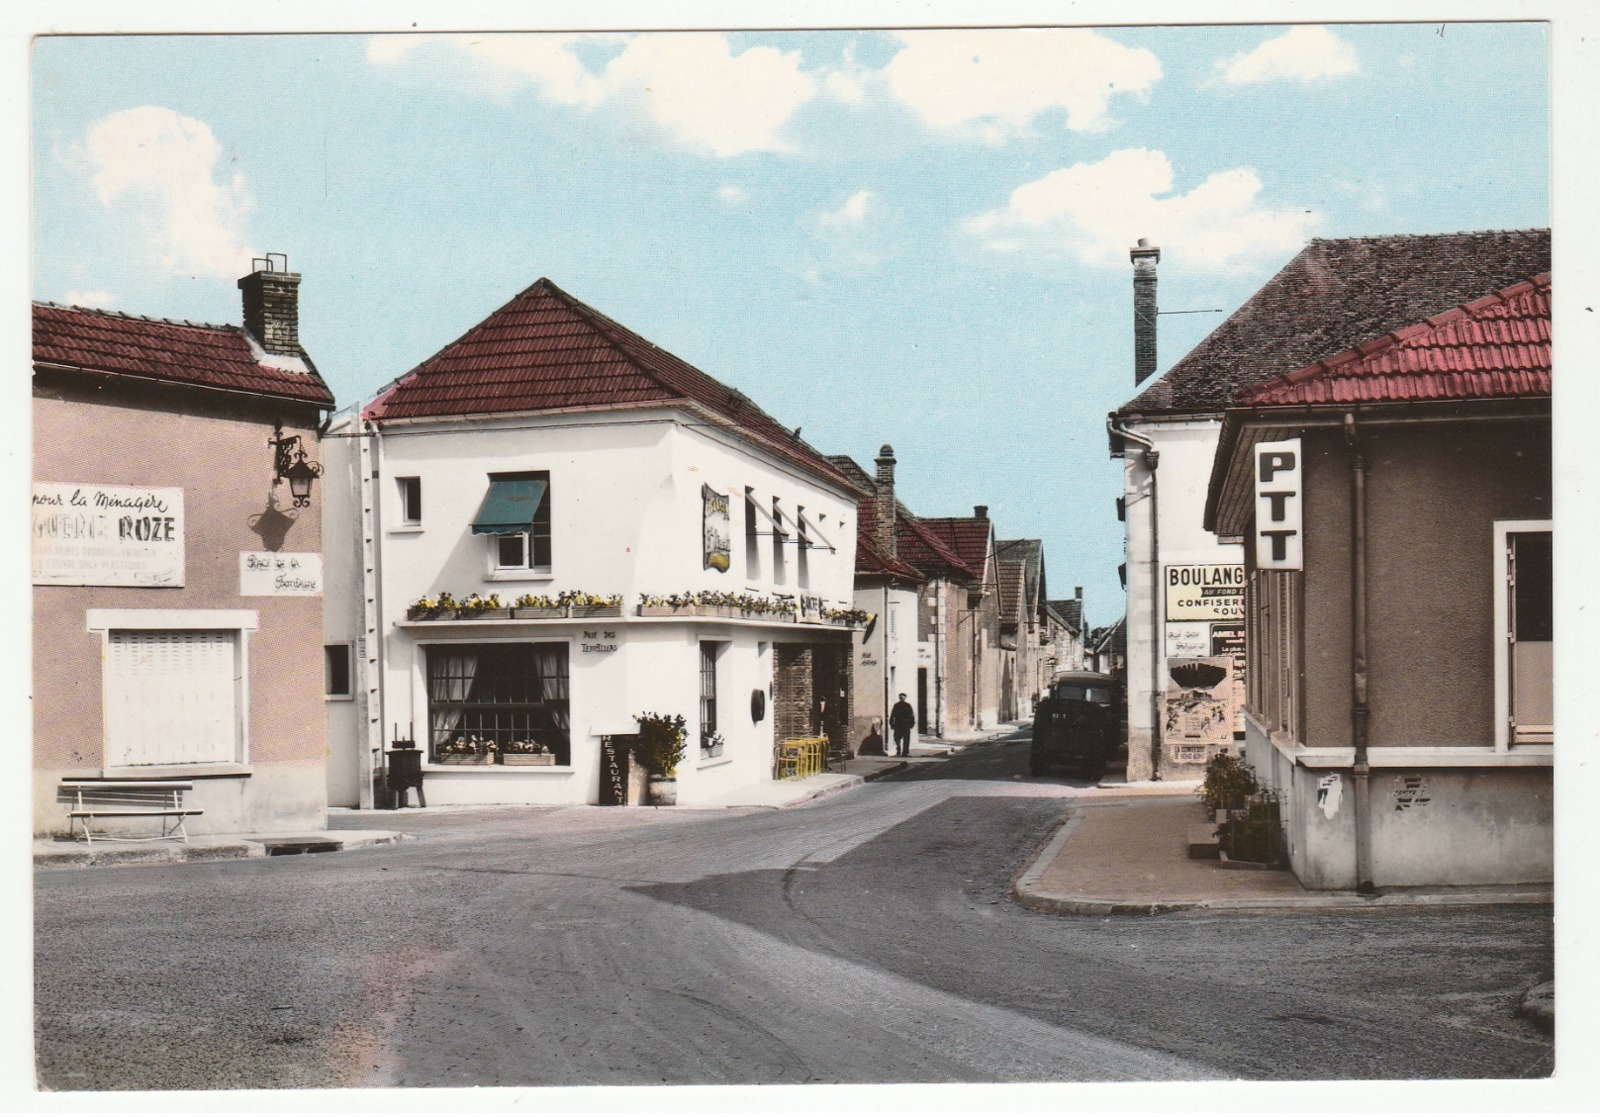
x=752 y=538
x=710 y=739
x=410 y=499
x=336 y=670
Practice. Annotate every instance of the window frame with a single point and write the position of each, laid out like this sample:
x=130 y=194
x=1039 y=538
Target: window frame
x=1502 y=531
x=710 y=696
x=528 y=541
x=241 y=622
x=409 y=490
x=563 y=762
x=349 y=692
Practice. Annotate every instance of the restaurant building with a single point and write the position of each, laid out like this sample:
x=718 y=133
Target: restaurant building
x=177 y=616
x=1395 y=500
x=553 y=526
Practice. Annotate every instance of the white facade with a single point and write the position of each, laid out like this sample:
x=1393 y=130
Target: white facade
x=1177 y=538
x=886 y=659
x=625 y=491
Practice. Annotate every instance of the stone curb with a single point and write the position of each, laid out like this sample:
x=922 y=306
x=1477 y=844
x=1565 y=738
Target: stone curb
x=86 y=856
x=1025 y=890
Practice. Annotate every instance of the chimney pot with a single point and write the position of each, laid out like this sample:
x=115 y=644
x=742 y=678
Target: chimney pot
x=272 y=307
x=1077 y=592
x=980 y=511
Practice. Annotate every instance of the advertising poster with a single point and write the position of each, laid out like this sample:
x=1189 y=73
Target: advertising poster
x=716 y=525
x=1200 y=708
x=106 y=535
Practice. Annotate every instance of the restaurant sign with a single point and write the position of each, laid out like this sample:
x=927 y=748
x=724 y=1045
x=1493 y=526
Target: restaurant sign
x=1205 y=593
x=106 y=535
x=715 y=524
x=270 y=574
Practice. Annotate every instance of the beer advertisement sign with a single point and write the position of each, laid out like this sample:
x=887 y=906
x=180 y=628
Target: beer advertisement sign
x=715 y=523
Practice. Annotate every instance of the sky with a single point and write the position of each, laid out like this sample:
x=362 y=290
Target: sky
x=918 y=238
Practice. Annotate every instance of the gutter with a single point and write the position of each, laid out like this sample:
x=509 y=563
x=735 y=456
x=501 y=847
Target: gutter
x=1152 y=458
x=1359 y=710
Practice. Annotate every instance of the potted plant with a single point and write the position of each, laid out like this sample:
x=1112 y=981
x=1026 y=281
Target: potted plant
x=710 y=745
x=465 y=750
x=482 y=608
x=529 y=607
x=526 y=753
x=591 y=605
x=427 y=608
x=1228 y=785
x=658 y=749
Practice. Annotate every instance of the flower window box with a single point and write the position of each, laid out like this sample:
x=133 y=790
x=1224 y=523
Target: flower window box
x=467 y=759
x=529 y=759
x=539 y=613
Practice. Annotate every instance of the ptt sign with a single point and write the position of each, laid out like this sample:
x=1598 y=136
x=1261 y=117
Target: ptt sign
x=1278 y=499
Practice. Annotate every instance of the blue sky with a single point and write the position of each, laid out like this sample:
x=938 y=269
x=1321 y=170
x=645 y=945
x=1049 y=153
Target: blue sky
x=918 y=239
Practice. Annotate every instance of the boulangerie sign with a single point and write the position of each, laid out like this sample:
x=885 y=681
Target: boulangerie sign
x=106 y=535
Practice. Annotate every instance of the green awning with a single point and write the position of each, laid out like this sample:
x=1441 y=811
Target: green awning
x=509 y=506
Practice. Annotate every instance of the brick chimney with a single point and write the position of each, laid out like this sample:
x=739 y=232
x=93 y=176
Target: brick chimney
x=883 y=536
x=980 y=511
x=1145 y=257
x=272 y=305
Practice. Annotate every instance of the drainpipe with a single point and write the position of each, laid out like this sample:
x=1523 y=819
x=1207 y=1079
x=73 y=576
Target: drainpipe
x=1359 y=709
x=1152 y=458
x=884 y=630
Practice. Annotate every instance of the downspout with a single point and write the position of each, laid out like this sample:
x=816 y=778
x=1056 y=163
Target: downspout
x=373 y=581
x=885 y=631
x=1359 y=710
x=1152 y=458
x=941 y=634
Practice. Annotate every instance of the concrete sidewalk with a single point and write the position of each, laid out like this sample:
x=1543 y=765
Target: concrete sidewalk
x=1128 y=853
x=77 y=854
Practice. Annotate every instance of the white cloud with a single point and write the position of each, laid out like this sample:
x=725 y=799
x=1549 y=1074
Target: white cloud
x=1097 y=210
x=853 y=212
x=999 y=82
x=733 y=195
x=1304 y=54
x=168 y=164
x=93 y=299
x=693 y=85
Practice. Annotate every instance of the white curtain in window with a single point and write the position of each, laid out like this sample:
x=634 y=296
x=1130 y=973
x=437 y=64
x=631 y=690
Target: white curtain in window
x=450 y=683
x=552 y=663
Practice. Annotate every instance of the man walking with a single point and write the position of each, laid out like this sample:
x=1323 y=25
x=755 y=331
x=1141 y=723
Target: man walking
x=901 y=718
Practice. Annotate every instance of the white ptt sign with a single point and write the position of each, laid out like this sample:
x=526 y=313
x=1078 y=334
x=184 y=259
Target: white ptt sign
x=1279 y=487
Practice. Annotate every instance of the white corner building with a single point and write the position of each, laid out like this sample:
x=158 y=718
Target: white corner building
x=553 y=525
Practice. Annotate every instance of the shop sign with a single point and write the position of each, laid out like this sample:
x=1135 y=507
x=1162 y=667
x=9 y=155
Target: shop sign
x=614 y=771
x=1205 y=593
x=1278 y=501
x=1188 y=639
x=598 y=641
x=715 y=526
x=270 y=574
x=107 y=535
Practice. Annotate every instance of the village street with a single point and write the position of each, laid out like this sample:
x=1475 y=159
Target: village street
x=867 y=937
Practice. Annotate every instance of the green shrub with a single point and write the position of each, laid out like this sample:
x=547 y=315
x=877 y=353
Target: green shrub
x=659 y=746
x=1252 y=834
x=1229 y=783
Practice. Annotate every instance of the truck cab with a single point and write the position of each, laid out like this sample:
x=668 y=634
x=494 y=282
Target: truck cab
x=1077 y=725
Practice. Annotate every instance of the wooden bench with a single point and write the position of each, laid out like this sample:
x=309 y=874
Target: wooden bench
x=163 y=799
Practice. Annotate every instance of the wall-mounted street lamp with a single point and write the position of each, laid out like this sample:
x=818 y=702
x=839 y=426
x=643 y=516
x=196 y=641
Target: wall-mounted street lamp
x=289 y=464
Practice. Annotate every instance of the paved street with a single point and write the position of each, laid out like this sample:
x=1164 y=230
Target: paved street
x=867 y=937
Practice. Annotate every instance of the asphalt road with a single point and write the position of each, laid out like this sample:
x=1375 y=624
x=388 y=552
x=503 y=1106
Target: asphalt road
x=867 y=937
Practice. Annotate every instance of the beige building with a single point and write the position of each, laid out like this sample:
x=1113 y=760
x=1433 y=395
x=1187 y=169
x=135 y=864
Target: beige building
x=1394 y=502
x=177 y=625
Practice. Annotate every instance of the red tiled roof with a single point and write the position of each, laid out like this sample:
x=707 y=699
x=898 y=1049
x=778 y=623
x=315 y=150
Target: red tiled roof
x=923 y=548
x=1495 y=348
x=1335 y=294
x=967 y=536
x=176 y=352
x=870 y=560
x=544 y=351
